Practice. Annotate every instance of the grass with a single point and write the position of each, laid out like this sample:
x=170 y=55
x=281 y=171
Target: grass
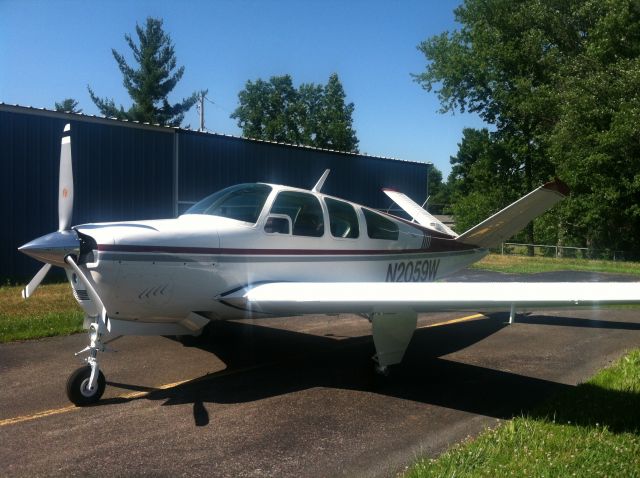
x=50 y=311
x=529 y=265
x=590 y=430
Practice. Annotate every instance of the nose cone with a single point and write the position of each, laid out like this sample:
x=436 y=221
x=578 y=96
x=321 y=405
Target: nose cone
x=53 y=248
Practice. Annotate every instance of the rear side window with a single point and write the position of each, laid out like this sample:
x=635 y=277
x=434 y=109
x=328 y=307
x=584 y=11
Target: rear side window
x=343 y=220
x=379 y=227
x=303 y=209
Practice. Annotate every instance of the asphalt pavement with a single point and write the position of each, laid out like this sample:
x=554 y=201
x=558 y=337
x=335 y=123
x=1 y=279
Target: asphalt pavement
x=296 y=396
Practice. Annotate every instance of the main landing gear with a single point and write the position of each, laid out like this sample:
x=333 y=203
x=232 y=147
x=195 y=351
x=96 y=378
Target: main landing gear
x=392 y=332
x=86 y=385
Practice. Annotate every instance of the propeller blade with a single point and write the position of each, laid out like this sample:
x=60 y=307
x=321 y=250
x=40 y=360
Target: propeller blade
x=95 y=298
x=65 y=189
x=35 y=282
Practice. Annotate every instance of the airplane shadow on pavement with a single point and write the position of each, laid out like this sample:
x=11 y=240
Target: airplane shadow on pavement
x=264 y=362
x=576 y=322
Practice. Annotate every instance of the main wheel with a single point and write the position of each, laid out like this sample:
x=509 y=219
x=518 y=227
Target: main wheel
x=77 y=387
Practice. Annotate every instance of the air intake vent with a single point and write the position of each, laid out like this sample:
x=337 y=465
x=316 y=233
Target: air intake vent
x=81 y=294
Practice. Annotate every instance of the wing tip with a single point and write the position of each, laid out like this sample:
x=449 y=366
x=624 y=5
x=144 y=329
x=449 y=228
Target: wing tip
x=558 y=186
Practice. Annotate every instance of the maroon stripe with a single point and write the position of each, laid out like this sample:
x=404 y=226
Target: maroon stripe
x=436 y=246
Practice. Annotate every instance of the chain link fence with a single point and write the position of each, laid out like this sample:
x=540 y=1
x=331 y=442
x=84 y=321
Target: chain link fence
x=543 y=250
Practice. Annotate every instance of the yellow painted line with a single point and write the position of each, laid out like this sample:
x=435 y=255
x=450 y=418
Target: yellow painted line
x=453 y=321
x=144 y=393
x=70 y=408
x=126 y=396
x=46 y=413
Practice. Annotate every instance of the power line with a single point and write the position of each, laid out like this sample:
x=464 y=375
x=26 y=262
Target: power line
x=200 y=108
x=218 y=105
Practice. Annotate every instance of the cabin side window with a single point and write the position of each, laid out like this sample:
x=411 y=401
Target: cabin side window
x=303 y=209
x=379 y=227
x=343 y=220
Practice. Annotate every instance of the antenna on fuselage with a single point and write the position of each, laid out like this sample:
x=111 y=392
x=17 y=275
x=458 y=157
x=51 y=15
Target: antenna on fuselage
x=320 y=183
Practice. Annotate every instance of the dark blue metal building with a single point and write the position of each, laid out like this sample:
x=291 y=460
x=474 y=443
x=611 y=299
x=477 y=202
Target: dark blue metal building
x=127 y=171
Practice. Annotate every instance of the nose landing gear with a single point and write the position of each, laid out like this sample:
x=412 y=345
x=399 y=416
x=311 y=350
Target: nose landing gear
x=86 y=385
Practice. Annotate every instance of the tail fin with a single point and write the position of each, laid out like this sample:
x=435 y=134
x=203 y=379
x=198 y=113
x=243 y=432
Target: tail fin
x=513 y=218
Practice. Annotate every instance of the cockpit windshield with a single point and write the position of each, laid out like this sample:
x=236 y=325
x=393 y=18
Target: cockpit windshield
x=242 y=202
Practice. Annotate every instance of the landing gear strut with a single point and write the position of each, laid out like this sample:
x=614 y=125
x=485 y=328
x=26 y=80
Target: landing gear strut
x=86 y=385
x=392 y=332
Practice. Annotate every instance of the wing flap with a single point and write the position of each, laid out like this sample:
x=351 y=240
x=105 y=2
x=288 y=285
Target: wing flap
x=364 y=297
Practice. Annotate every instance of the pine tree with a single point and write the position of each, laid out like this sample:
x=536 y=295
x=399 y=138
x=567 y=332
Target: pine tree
x=150 y=83
x=68 y=105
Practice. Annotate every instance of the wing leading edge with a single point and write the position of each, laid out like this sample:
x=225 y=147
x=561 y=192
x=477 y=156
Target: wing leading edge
x=365 y=297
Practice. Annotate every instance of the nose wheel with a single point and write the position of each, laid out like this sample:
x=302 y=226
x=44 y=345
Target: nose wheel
x=86 y=385
x=79 y=390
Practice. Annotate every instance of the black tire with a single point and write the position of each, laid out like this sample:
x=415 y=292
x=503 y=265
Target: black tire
x=77 y=387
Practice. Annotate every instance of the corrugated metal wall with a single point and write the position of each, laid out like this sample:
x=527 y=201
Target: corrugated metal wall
x=125 y=171
x=208 y=163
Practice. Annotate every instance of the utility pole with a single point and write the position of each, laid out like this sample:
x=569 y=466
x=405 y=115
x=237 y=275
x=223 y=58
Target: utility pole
x=201 y=100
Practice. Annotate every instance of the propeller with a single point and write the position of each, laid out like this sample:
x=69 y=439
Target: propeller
x=53 y=248
x=65 y=185
x=35 y=282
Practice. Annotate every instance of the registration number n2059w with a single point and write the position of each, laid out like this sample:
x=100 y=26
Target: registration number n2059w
x=413 y=271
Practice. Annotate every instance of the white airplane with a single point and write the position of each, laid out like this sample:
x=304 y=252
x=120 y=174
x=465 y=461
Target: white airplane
x=263 y=250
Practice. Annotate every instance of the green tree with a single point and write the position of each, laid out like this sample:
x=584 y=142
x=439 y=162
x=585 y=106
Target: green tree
x=438 y=192
x=151 y=82
x=499 y=65
x=313 y=115
x=335 y=129
x=595 y=143
x=311 y=103
x=68 y=105
x=557 y=79
x=270 y=110
x=481 y=181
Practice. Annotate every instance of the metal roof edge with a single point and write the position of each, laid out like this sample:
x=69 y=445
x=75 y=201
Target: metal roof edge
x=172 y=129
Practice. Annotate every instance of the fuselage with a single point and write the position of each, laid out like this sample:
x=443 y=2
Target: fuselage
x=161 y=270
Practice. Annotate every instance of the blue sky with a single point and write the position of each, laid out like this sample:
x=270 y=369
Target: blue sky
x=52 y=50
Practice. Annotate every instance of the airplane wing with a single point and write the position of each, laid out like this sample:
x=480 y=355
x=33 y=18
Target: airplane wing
x=513 y=218
x=286 y=298
x=418 y=214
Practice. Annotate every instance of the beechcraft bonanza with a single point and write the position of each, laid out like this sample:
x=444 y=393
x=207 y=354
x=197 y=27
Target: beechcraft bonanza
x=263 y=250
